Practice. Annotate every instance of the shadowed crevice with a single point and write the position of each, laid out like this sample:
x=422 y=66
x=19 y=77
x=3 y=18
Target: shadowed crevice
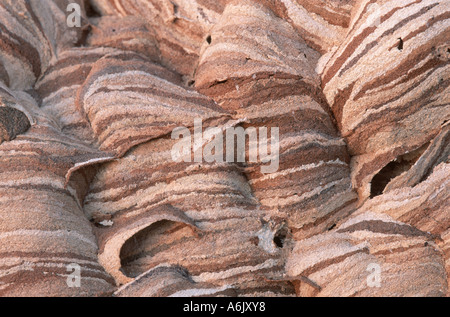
x=395 y=168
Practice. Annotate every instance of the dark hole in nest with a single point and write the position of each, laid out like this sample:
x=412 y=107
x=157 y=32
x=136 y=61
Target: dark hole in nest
x=380 y=181
x=208 y=39
x=331 y=227
x=91 y=11
x=400 y=44
x=280 y=237
x=395 y=168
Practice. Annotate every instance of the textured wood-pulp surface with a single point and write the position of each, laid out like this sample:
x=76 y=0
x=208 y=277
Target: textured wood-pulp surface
x=359 y=204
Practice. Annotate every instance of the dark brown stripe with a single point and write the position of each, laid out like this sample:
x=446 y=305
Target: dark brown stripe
x=378 y=226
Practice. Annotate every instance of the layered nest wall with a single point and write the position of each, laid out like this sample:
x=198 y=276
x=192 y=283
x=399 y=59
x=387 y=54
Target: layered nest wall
x=359 y=205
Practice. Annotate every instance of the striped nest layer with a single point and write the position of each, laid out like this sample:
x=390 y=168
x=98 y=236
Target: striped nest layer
x=359 y=205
